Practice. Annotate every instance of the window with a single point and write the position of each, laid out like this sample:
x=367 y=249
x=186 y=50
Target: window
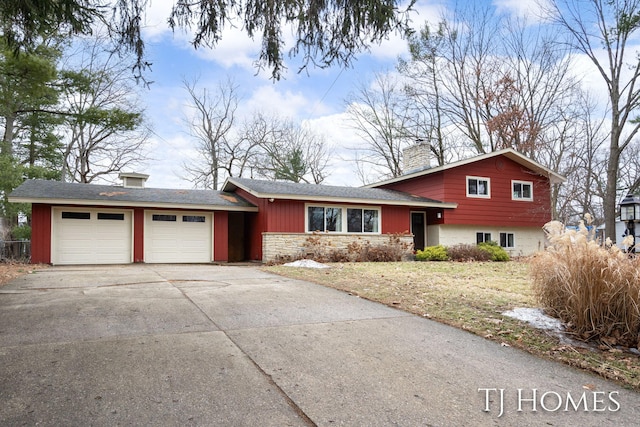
x=111 y=216
x=506 y=240
x=333 y=219
x=478 y=187
x=166 y=218
x=522 y=190
x=193 y=218
x=324 y=219
x=362 y=220
x=76 y=215
x=338 y=219
x=483 y=237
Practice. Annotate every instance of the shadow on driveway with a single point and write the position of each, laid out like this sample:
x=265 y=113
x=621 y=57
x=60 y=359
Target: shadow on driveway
x=230 y=345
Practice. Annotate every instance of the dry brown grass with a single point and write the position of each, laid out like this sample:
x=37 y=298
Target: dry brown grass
x=592 y=288
x=11 y=270
x=471 y=296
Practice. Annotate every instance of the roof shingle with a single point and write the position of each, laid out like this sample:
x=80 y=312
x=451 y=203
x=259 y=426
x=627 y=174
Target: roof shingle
x=283 y=189
x=34 y=190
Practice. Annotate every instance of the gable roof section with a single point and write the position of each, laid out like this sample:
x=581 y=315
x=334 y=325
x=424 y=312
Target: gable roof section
x=328 y=193
x=55 y=192
x=509 y=153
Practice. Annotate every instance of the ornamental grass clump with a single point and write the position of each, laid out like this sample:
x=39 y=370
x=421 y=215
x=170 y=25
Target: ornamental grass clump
x=593 y=288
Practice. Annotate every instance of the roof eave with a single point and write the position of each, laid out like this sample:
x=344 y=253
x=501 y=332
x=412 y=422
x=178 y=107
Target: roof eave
x=510 y=153
x=231 y=185
x=351 y=200
x=120 y=203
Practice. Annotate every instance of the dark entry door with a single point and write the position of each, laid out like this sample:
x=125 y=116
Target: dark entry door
x=418 y=229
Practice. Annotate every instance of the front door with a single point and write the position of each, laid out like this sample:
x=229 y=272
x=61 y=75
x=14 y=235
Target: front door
x=419 y=229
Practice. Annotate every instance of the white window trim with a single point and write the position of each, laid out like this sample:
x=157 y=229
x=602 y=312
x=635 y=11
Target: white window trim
x=524 y=199
x=344 y=218
x=480 y=178
x=507 y=233
x=484 y=234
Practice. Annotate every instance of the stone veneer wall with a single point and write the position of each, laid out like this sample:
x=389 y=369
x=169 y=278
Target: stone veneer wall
x=292 y=244
x=416 y=157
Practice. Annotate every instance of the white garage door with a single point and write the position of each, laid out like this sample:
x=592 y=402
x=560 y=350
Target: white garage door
x=91 y=236
x=177 y=237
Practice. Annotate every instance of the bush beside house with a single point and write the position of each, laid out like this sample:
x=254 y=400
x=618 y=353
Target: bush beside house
x=487 y=251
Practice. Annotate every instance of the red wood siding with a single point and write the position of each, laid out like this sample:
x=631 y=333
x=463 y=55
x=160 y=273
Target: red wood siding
x=221 y=236
x=40 y=234
x=285 y=216
x=138 y=235
x=500 y=209
x=395 y=219
x=431 y=186
x=451 y=186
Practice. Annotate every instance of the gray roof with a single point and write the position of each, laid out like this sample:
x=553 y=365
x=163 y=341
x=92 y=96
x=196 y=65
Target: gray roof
x=41 y=191
x=315 y=192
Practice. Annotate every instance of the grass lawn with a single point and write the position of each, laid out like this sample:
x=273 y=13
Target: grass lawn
x=471 y=296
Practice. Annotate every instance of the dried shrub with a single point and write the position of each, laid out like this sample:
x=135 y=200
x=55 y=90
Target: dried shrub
x=321 y=250
x=593 y=288
x=465 y=252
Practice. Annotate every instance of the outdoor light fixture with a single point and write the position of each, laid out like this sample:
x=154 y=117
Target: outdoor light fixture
x=630 y=213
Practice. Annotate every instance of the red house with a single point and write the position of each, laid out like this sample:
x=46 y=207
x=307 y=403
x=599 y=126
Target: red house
x=502 y=196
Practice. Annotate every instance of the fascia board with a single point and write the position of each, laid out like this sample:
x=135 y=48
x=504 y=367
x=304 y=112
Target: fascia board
x=120 y=203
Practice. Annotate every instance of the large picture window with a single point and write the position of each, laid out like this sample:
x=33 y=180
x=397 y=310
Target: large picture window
x=478 y=187
x=362 y=220
x=338 y=219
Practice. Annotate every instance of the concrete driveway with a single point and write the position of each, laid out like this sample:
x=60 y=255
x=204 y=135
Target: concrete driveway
x=234 y=346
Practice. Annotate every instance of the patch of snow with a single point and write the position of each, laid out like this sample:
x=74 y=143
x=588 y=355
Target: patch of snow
x=536 y=318
x=306 y=263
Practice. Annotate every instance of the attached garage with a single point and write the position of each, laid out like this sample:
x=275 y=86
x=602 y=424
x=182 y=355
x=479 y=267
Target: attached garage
x=75 y=223
x=91 y=236
x=178 y=237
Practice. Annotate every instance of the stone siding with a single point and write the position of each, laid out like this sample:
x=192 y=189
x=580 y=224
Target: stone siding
x=292 y=245
x=416 y=157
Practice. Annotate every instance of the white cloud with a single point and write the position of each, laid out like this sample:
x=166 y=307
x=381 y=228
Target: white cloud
x=531 y=10
x=168 y=156
x=267 y=98
x=155 y=24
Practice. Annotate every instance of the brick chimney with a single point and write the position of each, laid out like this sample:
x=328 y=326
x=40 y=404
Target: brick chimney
x=416 y=157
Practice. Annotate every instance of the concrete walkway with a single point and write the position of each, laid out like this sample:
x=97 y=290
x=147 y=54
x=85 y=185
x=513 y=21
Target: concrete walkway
x=234 y=346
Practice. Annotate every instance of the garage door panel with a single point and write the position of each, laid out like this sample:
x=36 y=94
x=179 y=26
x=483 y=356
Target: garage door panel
x=178 y=237
x=91 y=236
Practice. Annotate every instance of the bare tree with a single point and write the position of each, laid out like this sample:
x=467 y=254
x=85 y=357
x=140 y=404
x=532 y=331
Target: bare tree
x=573 y=146
x=378 y=112
x=472 y=68
x=603 y=30
x=106 y=130
x=212 y=127
x=286 y=150
x=428 y=119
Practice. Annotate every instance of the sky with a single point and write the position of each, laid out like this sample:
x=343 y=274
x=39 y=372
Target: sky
x=316 y=97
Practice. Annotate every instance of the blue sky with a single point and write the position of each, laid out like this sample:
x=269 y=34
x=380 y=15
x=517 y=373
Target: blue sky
x=317 y=97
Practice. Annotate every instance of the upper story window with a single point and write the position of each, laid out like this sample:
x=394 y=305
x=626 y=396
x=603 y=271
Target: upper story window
x=478 y=187
x=339 y=219
x=522 y=190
